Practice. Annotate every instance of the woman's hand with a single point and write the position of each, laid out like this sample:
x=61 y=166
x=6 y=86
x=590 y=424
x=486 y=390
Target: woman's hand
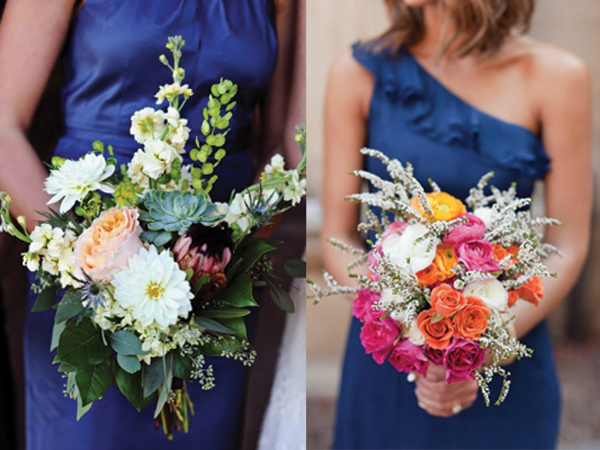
x=441 y=399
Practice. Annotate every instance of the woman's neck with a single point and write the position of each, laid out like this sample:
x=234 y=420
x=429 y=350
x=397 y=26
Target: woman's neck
x=438 y=27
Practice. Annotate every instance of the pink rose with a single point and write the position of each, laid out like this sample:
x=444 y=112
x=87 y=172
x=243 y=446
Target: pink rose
x=408 y=357
x=394 y=228
x=362 y=304
x=477 y=255
x=472 y=230
x=106 y=246
x=461 y=359
x=434 y=355
x=378 y=336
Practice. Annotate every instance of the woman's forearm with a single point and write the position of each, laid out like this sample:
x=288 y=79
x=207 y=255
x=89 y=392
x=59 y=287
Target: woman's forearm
x=22 y=175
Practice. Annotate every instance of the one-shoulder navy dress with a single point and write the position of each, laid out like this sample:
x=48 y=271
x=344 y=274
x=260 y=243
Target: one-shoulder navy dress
x=113 y=70
x=415 y=118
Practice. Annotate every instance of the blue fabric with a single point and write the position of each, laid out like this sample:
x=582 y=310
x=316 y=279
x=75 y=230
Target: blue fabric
x=112 y=71
x=416 y=119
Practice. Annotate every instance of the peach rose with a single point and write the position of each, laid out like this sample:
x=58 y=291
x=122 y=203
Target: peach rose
x=447 y=301
x=445 y=259
x=471 y=321
x=444 y=206
x=106 y=246
x=429 y=276
x=437 y=334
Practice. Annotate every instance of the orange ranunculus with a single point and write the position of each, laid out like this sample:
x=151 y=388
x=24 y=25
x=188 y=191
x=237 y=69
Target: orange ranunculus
x=437 y=334
x=106 y=246
x=513 y=296
x=445 y=259
x=429 y=276
x=444 y=206
x=532 y=291
x=447 y=301
x=471 y=321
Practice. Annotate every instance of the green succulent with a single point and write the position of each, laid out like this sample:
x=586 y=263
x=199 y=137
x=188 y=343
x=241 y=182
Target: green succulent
x=173 y=211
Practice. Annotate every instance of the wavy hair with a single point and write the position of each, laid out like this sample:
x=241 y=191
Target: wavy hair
x=480 y=26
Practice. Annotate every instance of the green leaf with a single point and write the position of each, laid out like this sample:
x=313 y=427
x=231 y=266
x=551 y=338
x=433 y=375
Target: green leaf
x=436 y=318
x=224 y=313
x=93 y=381
x=45 y=299
x=238 y=293
x=250 y=251
x=129 y=363
x=166 y=387
x=126 y=343
x=200 y=283
x=220 y=154
x=182 y=366
x=57 y=330
x=154 y=376
x=131 y=387
x=69 y=306
x=208 y=168
x=212 y=325
x=194 y=154
x=80 y=344
x=231 y=106
x=281 y=298
x=237 y=325
x=295 y=268
x=82 y=410
x=205 y=128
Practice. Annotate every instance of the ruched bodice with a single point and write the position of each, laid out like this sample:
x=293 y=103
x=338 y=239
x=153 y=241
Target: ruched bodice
x=113 y=69
x=415 y=119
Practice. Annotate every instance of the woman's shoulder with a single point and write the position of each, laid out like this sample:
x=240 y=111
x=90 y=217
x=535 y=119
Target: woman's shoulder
x=352 y=79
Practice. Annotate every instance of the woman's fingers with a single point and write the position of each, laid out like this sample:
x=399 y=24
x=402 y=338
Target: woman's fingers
x=442 y=402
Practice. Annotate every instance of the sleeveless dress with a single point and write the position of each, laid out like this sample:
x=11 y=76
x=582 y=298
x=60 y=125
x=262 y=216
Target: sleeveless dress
x=414 y=118
x=113 y=70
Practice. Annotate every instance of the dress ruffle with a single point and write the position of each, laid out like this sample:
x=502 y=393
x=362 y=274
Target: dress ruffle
x=433 y=111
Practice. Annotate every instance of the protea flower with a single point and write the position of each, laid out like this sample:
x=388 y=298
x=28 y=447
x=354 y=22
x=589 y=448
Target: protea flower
x=205 y=250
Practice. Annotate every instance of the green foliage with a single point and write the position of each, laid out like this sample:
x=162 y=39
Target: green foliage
x=93 y=381
x=45 y=299
x=70 y=306
x=174 y=211
x=131 y=385
x=126 y=343
x=81 y=344
x=238 y=293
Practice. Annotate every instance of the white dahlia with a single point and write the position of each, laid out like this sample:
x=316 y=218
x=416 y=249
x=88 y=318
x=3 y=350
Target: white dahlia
x=153 y=288
x=76 y=179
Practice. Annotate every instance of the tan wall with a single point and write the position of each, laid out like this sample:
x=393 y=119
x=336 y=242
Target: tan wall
x=332 y=26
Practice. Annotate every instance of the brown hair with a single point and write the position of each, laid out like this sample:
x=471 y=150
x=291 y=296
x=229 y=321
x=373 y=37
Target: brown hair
x=481 y=26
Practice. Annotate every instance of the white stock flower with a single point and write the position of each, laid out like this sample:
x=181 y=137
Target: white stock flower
x=295 y=189
x=153 y=288
x=276 y=167
x=170 y=91
x=491 y=292
x=487 y=215
x=238 y=212
x=76 y=179
x=412 y=250
x=147 y=124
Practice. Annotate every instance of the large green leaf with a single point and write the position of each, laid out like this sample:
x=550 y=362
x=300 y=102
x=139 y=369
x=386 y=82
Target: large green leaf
x=249 y=252
x=212 y=325
x=80 y=344
x=182 y=366
x=238 y=293
x=126 y=343
x=237 y=325
x=296 y=268
x=224 y=313
x=69 y=306
x=281 y=298
x=93 y=381
x=57 y=330
x=165 y=389
x=131 y=387
x=129 y=363
x=154 y=375
x=45 y=299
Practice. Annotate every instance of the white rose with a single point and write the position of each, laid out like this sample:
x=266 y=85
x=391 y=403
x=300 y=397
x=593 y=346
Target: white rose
x=411 y=250
x=487 y=215
x=414 y=334
x=491 y=292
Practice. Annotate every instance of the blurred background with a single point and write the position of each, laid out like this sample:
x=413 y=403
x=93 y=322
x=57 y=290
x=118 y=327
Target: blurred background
x=573 y=25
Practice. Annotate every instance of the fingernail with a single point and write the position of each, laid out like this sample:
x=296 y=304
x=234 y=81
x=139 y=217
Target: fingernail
x=411 y=377
x=421 y=405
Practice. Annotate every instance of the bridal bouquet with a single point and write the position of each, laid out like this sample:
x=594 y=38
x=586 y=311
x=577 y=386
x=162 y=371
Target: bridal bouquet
x=441 y=280
x=152 y=275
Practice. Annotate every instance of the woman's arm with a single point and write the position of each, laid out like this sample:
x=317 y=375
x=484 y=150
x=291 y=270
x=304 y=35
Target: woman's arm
x=349 y=91
x=563 y=87
x=32 y=33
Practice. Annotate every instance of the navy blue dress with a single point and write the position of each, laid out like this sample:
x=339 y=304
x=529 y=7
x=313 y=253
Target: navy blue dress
x=414 y=118
x=112 y=71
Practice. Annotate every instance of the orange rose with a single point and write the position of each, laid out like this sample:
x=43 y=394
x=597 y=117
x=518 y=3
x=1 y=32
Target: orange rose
x=446 y=301
x=471 y=321
x=499 y=252
x=445 y=259
x=444 y=206
x=438 y=334
x=513 y=296
x=429 y=276
x=532 y=291
x=106 y=246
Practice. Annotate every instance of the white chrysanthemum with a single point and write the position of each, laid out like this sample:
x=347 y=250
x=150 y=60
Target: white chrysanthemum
x=147 y=124
x=76 y=179
x=413 y=250
x=153 y=288
x=491 y=292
